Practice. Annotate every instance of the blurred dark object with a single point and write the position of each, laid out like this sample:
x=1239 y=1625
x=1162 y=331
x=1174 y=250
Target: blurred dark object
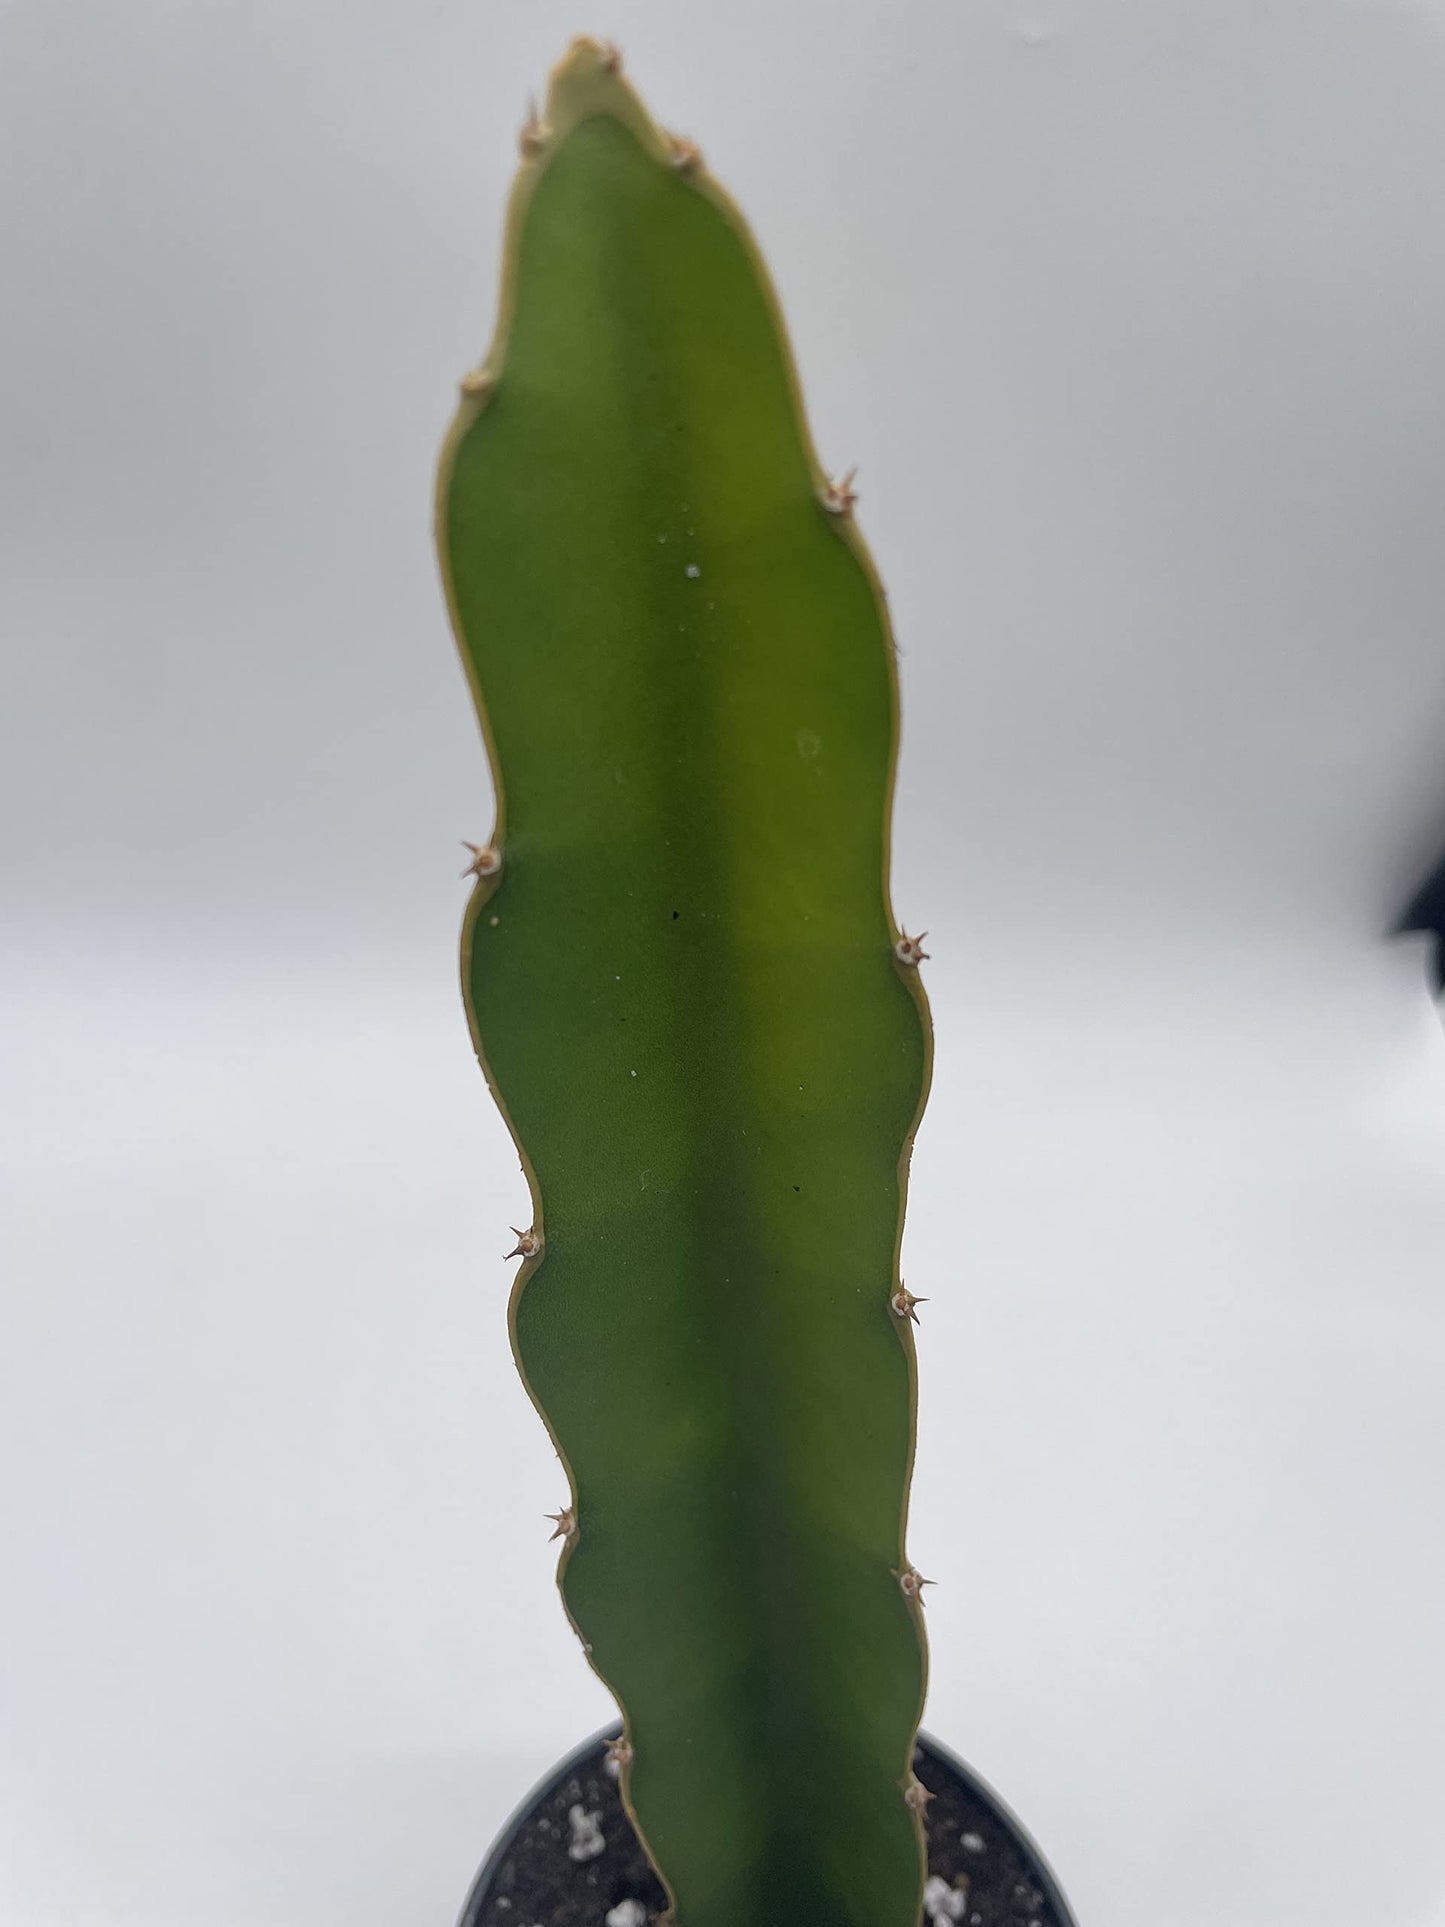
x=1426 y=911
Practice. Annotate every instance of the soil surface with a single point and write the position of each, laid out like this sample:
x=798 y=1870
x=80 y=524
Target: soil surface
x=573 y=1860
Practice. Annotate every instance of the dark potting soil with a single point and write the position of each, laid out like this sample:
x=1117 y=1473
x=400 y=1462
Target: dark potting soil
x=571 y=1859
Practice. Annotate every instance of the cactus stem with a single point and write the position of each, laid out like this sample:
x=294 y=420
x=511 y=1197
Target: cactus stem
x=909 y=950
x=564 y=1524
x=917 y=1796
x=476 y=381
x=533 y=136
x=486 y=859
x=840 y=496
x=604 y=200
x=903 y=1303
x=911 y=1582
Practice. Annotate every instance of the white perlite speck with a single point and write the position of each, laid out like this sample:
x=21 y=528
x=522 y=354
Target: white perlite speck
x=627 y=1913
x=586 y=1842
x=942 y=1902
x=971 y=1842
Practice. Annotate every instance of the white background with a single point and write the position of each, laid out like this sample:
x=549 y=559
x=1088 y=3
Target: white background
x=1134 y=317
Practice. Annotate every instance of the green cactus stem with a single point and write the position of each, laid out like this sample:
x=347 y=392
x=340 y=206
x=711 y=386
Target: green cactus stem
x=702 y=1024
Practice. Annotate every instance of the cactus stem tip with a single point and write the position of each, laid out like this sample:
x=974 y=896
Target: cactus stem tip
x=610 y=57
x=528 y=1244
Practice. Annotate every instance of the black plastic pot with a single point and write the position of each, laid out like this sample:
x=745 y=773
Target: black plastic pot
x=568 y=1857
